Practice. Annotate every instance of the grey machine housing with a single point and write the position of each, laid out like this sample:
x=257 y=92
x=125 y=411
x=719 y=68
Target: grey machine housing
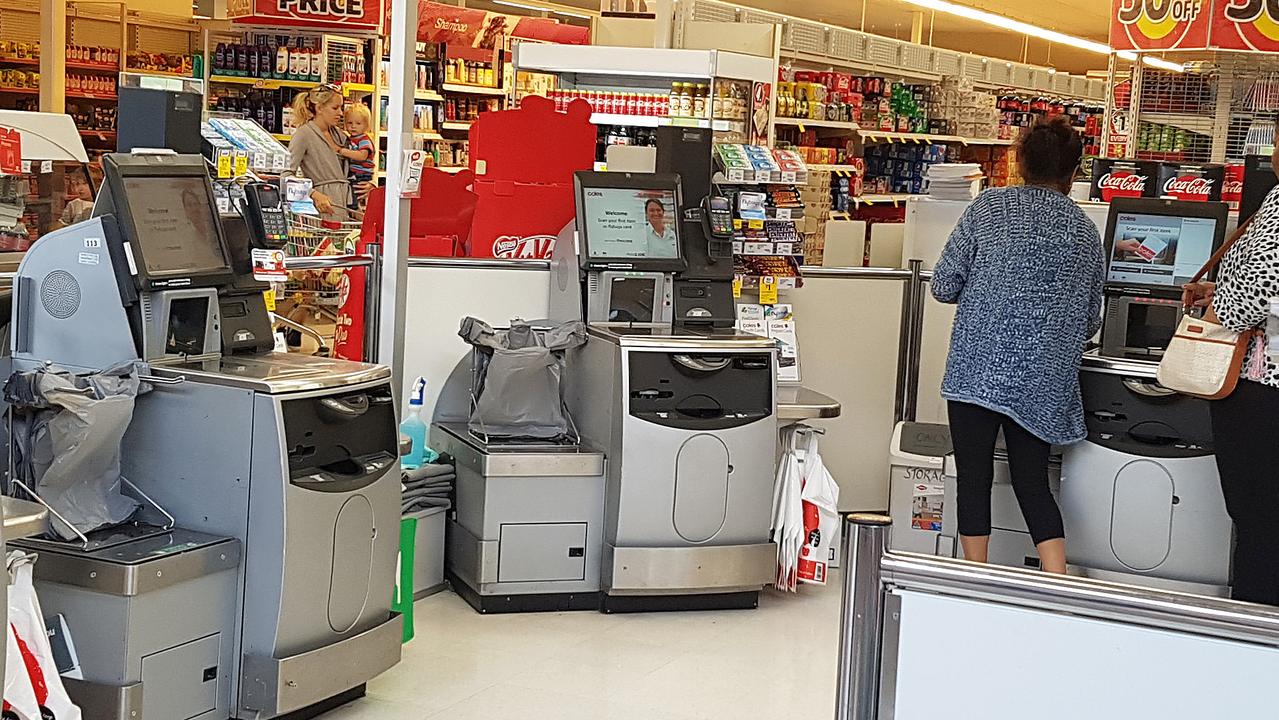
x=290 y=459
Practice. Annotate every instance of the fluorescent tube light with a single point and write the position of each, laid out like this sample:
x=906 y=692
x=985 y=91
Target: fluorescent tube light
x=1007 y=23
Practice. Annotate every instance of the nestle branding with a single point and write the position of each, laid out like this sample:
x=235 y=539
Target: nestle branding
x=514 y=247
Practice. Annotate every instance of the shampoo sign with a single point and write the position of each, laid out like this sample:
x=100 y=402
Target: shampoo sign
x=1160 y=24
x=1246 y=25
x=334 y=14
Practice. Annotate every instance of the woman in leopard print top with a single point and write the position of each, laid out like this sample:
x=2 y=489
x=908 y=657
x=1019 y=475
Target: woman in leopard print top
x=1245 y=425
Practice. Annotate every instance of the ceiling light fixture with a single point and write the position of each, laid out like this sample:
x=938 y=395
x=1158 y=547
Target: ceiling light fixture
x=1007 y=23
x=522 y=6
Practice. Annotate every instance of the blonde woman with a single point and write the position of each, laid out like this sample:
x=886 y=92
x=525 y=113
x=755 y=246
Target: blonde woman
x=316 y=145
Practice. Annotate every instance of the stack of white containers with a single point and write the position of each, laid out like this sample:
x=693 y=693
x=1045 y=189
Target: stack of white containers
x=954 y=181
x=968 y=113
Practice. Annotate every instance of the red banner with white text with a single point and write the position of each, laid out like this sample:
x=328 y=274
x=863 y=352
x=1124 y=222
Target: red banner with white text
x=337 y=15
x=439 y=23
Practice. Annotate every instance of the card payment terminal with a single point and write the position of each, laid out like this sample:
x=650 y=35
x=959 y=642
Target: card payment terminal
x=268 y=222
x=718 y=215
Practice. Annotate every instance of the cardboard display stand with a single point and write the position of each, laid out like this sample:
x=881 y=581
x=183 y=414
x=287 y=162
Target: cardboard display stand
x=439 y=226
x=524 y=162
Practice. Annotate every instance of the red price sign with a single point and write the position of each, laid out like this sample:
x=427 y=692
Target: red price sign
x=1160 y=24
x=1246 y=25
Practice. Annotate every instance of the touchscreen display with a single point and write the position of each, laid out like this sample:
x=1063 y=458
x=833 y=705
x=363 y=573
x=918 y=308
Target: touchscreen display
x=175 y=225
x=632 y=299
x=630 y=224
x=1158 y=249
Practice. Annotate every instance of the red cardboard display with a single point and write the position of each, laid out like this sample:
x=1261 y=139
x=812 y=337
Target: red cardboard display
x=439 y=226
x=524 y=162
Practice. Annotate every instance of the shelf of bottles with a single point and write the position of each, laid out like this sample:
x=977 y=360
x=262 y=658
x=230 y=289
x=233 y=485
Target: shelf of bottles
x=627 y=110
x=453 y=86
x=257 y=73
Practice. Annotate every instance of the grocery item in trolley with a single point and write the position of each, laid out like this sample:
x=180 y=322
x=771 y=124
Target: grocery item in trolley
x=310 y=236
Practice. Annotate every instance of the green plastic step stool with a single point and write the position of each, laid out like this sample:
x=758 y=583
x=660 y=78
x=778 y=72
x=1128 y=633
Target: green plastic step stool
x=402 y=597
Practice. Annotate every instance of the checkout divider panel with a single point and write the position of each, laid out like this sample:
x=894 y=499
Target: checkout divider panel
x=848 y=337
x=439 y=296
x=848 y=334
x=1127 y=671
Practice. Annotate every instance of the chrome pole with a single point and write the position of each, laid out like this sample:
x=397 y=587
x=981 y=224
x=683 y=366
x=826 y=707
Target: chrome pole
x=916 y=341
x=903 y=353
x=861 y=616
x=372 y=305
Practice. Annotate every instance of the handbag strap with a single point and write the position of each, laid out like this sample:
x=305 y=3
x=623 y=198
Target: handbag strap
x=1221 y=251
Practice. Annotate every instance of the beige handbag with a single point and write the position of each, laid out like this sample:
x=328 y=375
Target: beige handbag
x=1205 y=358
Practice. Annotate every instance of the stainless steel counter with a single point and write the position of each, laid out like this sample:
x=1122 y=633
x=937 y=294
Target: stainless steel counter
x=22 y=518
x=795 y=403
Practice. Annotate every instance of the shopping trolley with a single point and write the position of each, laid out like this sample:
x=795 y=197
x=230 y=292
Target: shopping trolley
x=312 y=297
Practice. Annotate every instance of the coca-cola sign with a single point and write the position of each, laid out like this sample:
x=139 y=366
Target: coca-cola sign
x=1188 y=187
x=514 y=247
x=1121 y=184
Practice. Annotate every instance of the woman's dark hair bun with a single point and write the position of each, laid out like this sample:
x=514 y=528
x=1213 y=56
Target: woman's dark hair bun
x=1050 y=152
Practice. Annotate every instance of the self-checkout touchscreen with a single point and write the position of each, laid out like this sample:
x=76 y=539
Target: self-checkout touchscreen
x=1159 y=250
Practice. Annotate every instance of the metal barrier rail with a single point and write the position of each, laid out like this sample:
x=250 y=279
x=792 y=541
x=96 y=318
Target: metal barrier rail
x=871 y=569
x=910 y=336
x=372 y=281
x=479 y=263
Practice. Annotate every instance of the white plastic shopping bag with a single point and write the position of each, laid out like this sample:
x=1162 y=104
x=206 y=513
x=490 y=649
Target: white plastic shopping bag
x=19 y=695
x=820 y=499
x=34 y=654
x=788 y=515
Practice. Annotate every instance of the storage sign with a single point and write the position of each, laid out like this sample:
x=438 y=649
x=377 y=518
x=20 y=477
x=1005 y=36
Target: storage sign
x=1246 y=25
x=1160 y=24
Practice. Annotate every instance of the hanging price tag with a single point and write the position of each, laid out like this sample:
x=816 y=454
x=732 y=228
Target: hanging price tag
x=46 y=166
x=768 y=290
x=755 y=224
x=241 y=164
x=737 y=223
x=268 y=265
x=224 y=164
x=801 y=127
x=737 y=286
x=268 y=297
x=411 y=173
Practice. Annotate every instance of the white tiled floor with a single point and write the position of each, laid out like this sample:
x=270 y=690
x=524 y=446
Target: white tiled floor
x=776 y=661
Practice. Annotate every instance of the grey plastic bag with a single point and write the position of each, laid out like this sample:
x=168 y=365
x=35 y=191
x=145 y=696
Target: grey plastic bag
x=517 y=389
x=68 y=430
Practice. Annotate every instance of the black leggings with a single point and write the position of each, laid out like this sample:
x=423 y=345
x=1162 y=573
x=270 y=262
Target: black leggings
x=1245 y=432
x=973 y=430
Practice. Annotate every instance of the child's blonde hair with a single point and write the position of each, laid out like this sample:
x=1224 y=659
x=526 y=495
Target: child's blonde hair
x=361 y=111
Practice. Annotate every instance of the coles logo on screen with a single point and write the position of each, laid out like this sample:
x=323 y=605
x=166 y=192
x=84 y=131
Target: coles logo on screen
x=515 y=247
x=1121 y=184
x=1189 y=187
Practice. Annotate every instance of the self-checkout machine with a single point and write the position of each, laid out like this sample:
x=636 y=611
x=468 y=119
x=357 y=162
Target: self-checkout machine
x=1141 y=497
x=682 y=407
x=265 y=589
